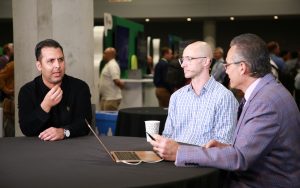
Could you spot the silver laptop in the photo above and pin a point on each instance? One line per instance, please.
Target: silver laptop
(129, 157)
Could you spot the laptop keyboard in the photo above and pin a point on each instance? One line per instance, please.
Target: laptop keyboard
(127, 155)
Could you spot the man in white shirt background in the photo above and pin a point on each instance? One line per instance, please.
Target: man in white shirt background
(110, 82)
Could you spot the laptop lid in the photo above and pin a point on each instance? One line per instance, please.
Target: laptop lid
(128, 156)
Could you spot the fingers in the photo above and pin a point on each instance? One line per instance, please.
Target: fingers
(52, 98)
(155, 143)
(157, 137)
(214, 143)
(52, 134)
(164, 147)
(55, 94)
(210, 144)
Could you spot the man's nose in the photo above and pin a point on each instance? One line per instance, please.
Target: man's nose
(56, 63)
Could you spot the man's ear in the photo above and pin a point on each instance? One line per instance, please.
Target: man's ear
(244, 68)
(207, 62)
(38, 65)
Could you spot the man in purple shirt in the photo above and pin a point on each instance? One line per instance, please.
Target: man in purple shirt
(266, 147)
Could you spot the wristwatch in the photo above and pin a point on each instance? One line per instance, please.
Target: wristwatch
(66, 133)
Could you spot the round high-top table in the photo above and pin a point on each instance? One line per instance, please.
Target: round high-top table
(82, 162)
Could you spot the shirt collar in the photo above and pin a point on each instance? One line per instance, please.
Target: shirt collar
(164, 59)
(250, 89)
(207, 85)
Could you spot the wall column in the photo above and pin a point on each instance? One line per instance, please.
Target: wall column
(70, 22)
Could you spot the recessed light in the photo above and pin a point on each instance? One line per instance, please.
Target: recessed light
(147, 20)
(276, 17)
(189, 19)
(231, 18)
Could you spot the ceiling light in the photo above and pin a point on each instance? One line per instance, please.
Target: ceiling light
(147, 20)
(231, 18)
(276, 17)
(189, 19)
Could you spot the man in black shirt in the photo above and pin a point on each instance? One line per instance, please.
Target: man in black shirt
(54, 106)
(163, 90)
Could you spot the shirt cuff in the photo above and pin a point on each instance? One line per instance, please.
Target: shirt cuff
(187, 156)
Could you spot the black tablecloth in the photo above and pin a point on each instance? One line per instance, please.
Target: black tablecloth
(130, 121)
(83, 163)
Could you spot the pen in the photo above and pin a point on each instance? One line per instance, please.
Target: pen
(150, 136)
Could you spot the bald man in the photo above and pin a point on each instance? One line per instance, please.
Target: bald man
(204, 109)
(110, 83)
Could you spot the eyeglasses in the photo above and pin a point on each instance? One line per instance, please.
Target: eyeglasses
(227, 64)
(187, 58)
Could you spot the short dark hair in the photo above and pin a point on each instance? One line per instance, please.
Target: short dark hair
(164, 51)
(46, 43)
(253, 50)
(272, 46)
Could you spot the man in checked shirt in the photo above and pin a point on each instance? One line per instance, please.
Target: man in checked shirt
(204, 109)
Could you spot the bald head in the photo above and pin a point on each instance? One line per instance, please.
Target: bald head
(199, 49)
(8, 49)
(196, 60)
(109, 54)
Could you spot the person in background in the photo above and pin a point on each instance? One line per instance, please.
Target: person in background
(285, 55)
(7, 87)
(162, 90)
(297, 88)
(297, 81)
(274, 69)
(204, 109)
(265, 151)
(291, 69)
(54, 106)
(218, 71)
(274, 50)
(175, 75)
(149, 69)
(8, 55)
(110, 82)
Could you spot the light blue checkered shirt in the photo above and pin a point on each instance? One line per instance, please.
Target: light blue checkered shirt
(196, 119)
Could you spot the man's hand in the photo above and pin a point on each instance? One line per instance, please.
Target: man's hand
(214, 143)
(52, 134)
(164, 147)
(52, 98)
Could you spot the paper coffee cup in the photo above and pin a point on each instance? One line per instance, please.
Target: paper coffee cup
(152, 127)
